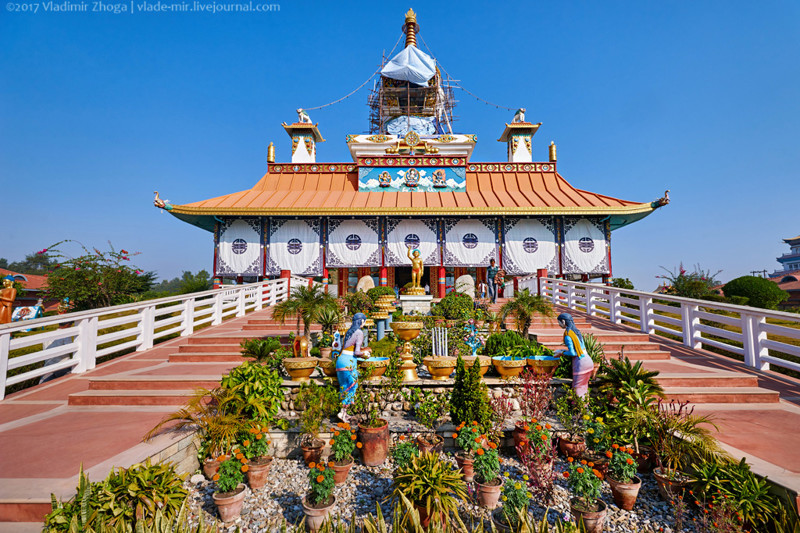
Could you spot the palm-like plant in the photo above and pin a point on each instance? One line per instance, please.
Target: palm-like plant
(214, 413)
(304, 303)
(523, 307)
(432, 483)
(329, 318)
(619, 373)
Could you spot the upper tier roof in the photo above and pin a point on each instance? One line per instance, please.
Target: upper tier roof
(488, 192)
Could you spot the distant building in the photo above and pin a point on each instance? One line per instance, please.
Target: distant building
(790, 261)
(788, 279)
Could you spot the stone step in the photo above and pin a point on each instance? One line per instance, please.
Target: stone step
(20, 515)
(612, 349)
(220, 339)
(131, 397)
(706, 380)
(722, 395)
(207, 357)
(132, 383)
(215, 348)
(605, 337)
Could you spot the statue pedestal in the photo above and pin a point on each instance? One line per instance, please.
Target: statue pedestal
(416, 304)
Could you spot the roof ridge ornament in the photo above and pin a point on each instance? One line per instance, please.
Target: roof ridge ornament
(410, 28)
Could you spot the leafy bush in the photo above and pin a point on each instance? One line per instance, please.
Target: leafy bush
(123, 497)
(268, 351)
(403, 452)
(257, 389)
(470, 400)
(376, 292)
(759, 292)
(315, 403)
(622, 283)
(499, 343)
(231, 473)
(359, 302)
(694, 284)
(455, 306)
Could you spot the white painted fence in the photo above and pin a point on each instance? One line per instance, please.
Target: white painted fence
(79, 339)
(753, 332)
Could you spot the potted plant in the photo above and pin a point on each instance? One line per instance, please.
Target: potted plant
(255, 446)
(516, 499)
(402, 453)
(328, 318)
(523, 307)
(515, 360)
(429, 409)
(319, 499)
(342, 445)
(315, 403)
(622, 478)
(538, 458)
(469, 439)
(586, 505)
(597, 443)
(539, 444)
(229, 496)
(573, 414)
(432, 485)
(487, 475)
(534, 400)
(373, 430)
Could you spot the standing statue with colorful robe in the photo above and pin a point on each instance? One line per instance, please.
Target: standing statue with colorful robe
(346, 364)
(582, 364)
(7, 296)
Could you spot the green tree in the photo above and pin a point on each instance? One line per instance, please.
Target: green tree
(304, 303)
(95, 279)
(470, 400)
(194, 282)
(523, 307)
(39, 263)
(696, 284)
(759, 292)
(622, 283)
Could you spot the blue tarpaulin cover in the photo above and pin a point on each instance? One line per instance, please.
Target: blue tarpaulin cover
(411, 64)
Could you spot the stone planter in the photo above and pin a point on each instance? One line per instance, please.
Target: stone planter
(593, 521)
(571, 448)
(377, 364)
(374, 443)
(509, 368)
(229, 504)
(258, 471)
(465, 464)
(300, 368)
(440, 367)
(544, 365)
(210, 467)
(485, 362)
(340, 471)
(625, 493)
(433, 443)
(316, 514)
(489, 494)
(312, 453)
(671, 487)
(328, 367)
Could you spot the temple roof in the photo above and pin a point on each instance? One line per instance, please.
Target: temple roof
(489, 191)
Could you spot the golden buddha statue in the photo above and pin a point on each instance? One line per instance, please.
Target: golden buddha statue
(7, 296)
(417, 269)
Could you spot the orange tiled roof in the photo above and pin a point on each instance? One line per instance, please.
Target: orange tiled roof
(336, 193)
(32, 282)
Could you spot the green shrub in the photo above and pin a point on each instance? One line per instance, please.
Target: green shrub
(498, 344)
(403, 452)
(376, 292)
(315, 403)
(759, 292)
(257, 389)
(125, 496)
(455, 306)
(470, 400)
(622, 283)
(268, 351)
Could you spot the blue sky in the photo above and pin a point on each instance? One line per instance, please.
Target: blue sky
(99, 110)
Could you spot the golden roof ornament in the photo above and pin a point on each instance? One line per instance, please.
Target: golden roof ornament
(410, 28)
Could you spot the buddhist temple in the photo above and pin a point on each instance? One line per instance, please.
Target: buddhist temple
(411, 184)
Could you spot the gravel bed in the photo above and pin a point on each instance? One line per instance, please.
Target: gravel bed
(279, 502)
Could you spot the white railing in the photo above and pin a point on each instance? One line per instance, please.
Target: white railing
(76, 341)
(747, 332)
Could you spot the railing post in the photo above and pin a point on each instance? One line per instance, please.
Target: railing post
(86, 341)
(272, 293)
(753, 335)
(570, 295)
(240, 302)
(646, 321)
(690, 322)
(5, 348)
(613, 307)
(217, 309)
(188, 317)
(259, 297)
(589, 300)
(552, 291)
(147, 323)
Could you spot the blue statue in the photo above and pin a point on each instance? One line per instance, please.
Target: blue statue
(473, 341)
(582, 364)
(346, 364)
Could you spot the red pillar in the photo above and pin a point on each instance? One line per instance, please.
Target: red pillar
(442, 282)
(383, 277)
(325, 280)
(286, 274)
(541, 273)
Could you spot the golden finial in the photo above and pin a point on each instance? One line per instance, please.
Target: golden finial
(552, 152)
(410, 28)
(271, 153)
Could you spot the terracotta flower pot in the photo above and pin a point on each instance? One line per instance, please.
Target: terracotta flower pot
(258, 471)
(210, 467)
(424, 517)
(646, 459)
(519, 434)
(317, 513)
(593, 521)
(599, 460)
(499, 521)
(671, 486)
(312, 453)
(229, 504)
(325, 353)
(465, 464)
(489, 494)
(340, 471)
(625, 493)
(374, 443)
(433, 443)
(570, 448)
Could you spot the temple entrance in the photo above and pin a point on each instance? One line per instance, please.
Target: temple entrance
(402, 275)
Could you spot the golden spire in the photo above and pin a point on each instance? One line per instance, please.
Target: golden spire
(411, 27)
(552, 151)
(271, 153)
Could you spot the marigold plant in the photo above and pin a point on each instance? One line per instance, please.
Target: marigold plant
(597, 435)
(255, 442)
(540, 439)
(487, 464)
(515, 498)
(584, 481)
(231, 472)
(469, 438)
(622, 466)
(321, 480)
(403, 452)
(343, 442)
